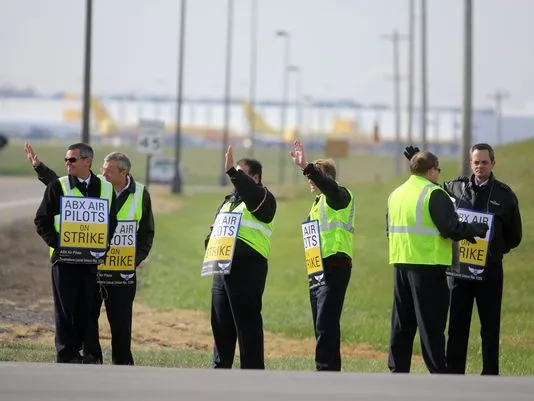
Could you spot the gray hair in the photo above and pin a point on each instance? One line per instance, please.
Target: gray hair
(123, 163)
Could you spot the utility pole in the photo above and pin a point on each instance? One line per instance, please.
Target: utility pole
(283, 111)
(411, 59)
(423, 76)
(467, 109)
(86, 124)
(176, 184)
(395, 38)
(498, 96)
(299, 102)
(253, 70)
(227, 86)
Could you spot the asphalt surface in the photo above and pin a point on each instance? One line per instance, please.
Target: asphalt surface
(19, 198)
(54, 382)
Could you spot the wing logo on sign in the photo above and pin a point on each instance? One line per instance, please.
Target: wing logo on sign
(127, 277)
(224, 266)
(475, 272)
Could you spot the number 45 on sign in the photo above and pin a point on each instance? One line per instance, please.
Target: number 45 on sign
(150, 138)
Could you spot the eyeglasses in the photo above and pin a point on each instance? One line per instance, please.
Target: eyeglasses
(437, 168)
(72, 160)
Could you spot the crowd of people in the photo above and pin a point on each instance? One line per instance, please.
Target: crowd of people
(446, 245)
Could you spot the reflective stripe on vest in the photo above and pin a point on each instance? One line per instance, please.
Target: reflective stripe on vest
(418, 228)
(132, 209)
(336, 226)
(413, 236)
(253, 232)
(323, 221)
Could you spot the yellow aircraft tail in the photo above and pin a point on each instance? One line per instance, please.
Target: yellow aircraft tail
(104, 122)
(261, 126)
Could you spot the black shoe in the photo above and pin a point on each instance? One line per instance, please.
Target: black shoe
(91, 360)
(76, 359)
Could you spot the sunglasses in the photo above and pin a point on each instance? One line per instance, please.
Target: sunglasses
(73, 159)
(437, 168)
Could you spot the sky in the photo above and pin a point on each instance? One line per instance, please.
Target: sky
(338, 45)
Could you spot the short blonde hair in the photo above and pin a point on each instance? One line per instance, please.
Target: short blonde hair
(328, 166)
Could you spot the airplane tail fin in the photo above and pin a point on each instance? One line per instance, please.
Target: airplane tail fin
(256, 120)
(102, 119)
(261, 126)
(105, 122)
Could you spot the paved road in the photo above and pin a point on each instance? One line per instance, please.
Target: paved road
(19, 198)
(52, 382)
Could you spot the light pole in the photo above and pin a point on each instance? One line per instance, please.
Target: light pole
(283, 108)
(86, 125)
(411, 57)
(299, 101)
(499, 96)
(253, 70)
(467, 107)
(227, 86)
(395, 38)
(423, 76)
(298, 96)
(176, 186)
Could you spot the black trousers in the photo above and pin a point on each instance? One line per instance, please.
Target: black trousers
(118, 300)
(326, 305)
(420, 300)
(236, 304)
(488, 296)
(73, 289)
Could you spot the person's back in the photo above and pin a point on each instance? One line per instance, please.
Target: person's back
(421, 226)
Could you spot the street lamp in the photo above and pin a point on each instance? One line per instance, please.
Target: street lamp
(86, 130)
(467, 107)
(283, 109)
(298, 132)
(498, 97)
(176, 185)
(253, 70)
(227, 83)
(298, 95)
(424, 102)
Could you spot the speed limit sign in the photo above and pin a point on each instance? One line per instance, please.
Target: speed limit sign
(150, 137)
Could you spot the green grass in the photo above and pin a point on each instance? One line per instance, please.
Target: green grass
(202, 166)
(173, 281)
(172, 277)
(188, 359)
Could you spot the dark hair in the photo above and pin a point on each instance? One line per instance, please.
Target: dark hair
(484, 146)
(328, 166)
(254, 166)
(85, 149)
(422, 162)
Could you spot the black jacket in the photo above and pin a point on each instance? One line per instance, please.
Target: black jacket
(258, 199)
(337, 197)
(494, 197)
(145, 233)
(50, 204)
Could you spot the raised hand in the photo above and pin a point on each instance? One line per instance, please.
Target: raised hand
(297, 154)
(229, 159)
(31, 155)
(410, 151)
